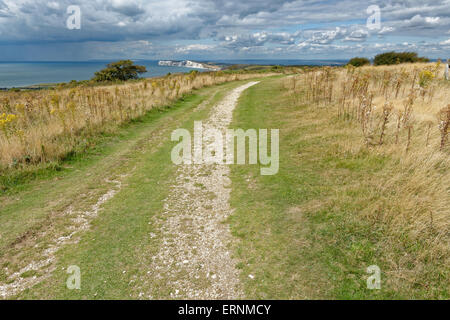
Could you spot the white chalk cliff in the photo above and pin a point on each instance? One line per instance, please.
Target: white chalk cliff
(187, 64)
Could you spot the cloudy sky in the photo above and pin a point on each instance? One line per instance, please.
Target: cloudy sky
(221, 29)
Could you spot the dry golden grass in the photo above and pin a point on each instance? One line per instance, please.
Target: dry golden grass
(46, 125)
(401, 112)
(403, 100)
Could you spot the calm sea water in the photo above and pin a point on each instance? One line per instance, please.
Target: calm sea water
(20, 74)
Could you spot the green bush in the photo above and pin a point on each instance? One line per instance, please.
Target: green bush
(359, 62)
(392, 57)
(121, 70)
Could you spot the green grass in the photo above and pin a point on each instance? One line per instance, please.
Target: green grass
(301, 232)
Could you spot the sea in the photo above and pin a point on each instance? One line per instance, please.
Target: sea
(25, 74)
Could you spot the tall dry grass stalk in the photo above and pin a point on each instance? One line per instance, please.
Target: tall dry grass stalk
(387, 109)
(412, 93)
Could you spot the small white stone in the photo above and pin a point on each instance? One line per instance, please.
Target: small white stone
(251, 276)
(185, 261)
(213, 276)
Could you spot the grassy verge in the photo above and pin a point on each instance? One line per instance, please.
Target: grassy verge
(110, 253)
(305, 232)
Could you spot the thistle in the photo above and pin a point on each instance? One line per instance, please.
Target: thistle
(429, 124)
(399, 123)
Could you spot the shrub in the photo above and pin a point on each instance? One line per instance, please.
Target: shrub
(359, 62)
(121, 70)
(389, 58)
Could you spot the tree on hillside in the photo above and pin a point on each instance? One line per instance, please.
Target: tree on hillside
(121, 70)
(392, 57)
(359, 62)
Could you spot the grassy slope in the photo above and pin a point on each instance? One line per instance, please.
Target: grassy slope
(302, 231)
(119, 239)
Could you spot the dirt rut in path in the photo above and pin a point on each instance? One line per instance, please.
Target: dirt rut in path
(195, 261)
(45, 264)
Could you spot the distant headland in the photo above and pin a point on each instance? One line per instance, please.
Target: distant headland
(189, 64)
